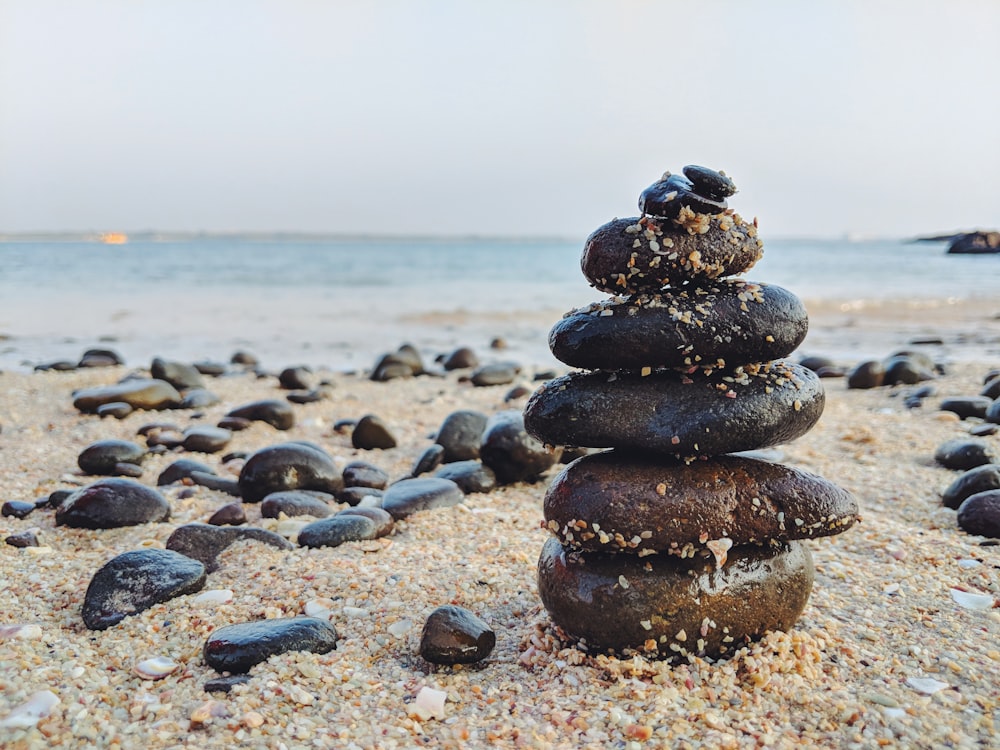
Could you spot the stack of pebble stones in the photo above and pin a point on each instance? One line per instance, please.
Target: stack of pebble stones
(666, 544)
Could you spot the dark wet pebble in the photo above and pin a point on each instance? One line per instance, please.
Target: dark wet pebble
(667, 196)
(991, 389)
(16, 509)
(199, 398)
(384, 523)
(454, 635)
(297, 503)
(139, 393)
(364, 474)
(278, 414)
(237, 648)
(964, 454)
(244, 358)
(288, 466)
(123, 469)
(181, 469)
(206, 439)
(22, 539)
(425, 493)
(60, 365)
(461, 434)
(102, 457)
(671, 413)
(460, 359)
(980, 514)
(735, 321)
(355, 495)
(179, 374)
(100, 358)
(231, 514)
(992, 414)
(218, 483)
(403, 363)
(111, 503)
(512, 453)
(868, 374)
(666, 601)
(212, 369)
(516, 393)
(433, 456)
(817, 363)
(471, 476)
(116, 409)
(978, 479)
(225, 684)
(204, 542)
(135, 581)
(985, 429)
(966, 406)
(296, 378)
(545, 375)
(56, 498)
(905, 371)
(235, 424)
(336, 530)
(371, 433)
(496, 373)
(320, 393)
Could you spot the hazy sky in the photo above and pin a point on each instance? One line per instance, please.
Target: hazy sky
(534, 117)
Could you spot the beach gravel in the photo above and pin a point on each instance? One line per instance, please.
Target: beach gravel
(898, 646)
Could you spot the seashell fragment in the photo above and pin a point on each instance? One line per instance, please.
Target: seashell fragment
(155, 668)
(32, 711)
(926, 685)
(213, 597)
(971, 600)
(26, 631)
(428, 704)
(321, 608)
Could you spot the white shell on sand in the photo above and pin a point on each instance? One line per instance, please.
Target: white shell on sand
(32, 711)
(970, 600)
(926, 685)
(155, 668)
(27, 631)
(321, 608)
(213, 597)
(429, 704)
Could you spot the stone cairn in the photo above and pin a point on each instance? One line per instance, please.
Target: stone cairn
(671, 544)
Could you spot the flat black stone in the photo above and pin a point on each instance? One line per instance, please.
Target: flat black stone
(288, 466)
(669, 607)
(206, 439)
(336, 530)
(237, 648)
(735, 321)
(278, 414)
(433, 456)
(512, 453)
(964, 454)
(980, 514)
(470, 476)
(16, 509)
(675, 414)
(139, 393)
(384, 523)
(111, 503)
(454, 635)
(225, 684)
(297, 503)
(181, 469)
(364, 474)
(205, 542)
(495, 373)
(135, 581)
(978, 479)
(425, 493)
(967, 406)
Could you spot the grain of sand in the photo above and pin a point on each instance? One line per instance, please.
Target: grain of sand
(852, 673)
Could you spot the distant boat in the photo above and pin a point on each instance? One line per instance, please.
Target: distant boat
(114, 238)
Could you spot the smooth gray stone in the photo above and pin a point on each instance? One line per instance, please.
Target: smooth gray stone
(425, 493)
(278, 414)
(675, 414)
(460, 435)
(111, 503)
(104, 456)
(179, 374)
(204, 542)
(470, 476)
(732, 321)
(512, 453)
(336, 530)
(139, 393)
(237, 648)
(135, 581)
(288, 466)
(965, 453)
(297, 503)
(206, 439)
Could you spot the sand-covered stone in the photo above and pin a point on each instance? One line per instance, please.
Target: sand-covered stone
(721, 323)
(675, 413)
(408, 496)
(615, 501)
(667, 606)
(632, 255)
(135, 581)
(205, 542)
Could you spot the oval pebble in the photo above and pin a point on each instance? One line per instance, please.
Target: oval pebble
(409, 496)
(454, 635)
(112, 503)
(237, 648)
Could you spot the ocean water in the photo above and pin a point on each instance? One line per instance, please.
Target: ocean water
(339, 302)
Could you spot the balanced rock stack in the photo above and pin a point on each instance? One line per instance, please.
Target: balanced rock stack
(666, 544)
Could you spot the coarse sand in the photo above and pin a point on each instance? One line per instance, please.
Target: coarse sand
(884, 654)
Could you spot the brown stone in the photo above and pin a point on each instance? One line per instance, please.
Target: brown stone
(667, 607)
(613, 501)
(626, 256)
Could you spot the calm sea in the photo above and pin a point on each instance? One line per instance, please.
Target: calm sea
(338, 302)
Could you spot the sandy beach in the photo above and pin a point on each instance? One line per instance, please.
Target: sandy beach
(883, 655)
